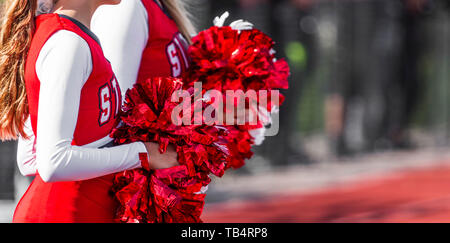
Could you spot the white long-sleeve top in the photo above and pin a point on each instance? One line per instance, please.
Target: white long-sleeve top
(63, 67)
(26, 152)
(124, 32)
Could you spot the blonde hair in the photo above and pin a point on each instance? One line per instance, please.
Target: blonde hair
(177, 9)
(15, 40)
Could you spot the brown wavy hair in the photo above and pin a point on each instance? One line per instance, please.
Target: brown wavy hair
(15, 38)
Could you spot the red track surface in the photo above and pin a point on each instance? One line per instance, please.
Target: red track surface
(415, 196)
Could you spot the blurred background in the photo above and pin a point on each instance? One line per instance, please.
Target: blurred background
(365, 129)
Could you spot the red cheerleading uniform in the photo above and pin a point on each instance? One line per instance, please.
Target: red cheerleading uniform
(75, 201)
(165, 54)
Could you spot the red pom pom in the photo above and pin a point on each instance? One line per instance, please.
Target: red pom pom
(225, 59)
(165, 195)
(222, 59)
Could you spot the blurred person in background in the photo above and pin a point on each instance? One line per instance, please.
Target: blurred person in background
(375, 88)
(290, 22)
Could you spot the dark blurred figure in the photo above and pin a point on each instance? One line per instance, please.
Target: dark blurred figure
(376, 76)
(410, 82)
(282, 21)
(292, 26)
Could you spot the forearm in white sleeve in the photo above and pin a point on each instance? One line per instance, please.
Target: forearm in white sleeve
(26, 151)
(123, 32)
(63, 66)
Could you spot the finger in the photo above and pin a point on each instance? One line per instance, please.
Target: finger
(241, 25)
(235, 24)
(220, 21)
(216, 21)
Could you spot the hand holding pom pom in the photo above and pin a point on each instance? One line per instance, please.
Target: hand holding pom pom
(157, 160)
(181, 158)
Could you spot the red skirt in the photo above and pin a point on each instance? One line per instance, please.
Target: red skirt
(86, 201)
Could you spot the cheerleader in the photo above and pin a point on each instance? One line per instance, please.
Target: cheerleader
(150, 39)
(54, 75)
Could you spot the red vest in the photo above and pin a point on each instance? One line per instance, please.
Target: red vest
(166, 52)
(100, 95)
